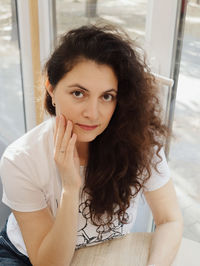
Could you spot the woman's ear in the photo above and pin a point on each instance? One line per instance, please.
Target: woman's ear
(49, 88)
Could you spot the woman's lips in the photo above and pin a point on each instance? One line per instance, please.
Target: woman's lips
(86, 127)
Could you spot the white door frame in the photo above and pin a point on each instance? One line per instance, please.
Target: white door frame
(161, 29)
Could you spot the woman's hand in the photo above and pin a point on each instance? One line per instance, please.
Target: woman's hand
(66, 155)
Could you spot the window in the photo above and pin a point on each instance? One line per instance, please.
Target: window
(12, 122)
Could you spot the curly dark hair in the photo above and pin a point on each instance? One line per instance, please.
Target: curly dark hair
(120, 158)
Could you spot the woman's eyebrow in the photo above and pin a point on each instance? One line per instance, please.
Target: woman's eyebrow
(81, 87)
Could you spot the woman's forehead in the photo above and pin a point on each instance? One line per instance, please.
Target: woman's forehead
(87, 73)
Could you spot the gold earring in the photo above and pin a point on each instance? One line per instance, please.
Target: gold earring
(53, 104)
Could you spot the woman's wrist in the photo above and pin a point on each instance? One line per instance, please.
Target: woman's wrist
(74, 188)
(71, 191)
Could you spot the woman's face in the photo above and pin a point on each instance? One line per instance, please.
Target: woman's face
(87, 95)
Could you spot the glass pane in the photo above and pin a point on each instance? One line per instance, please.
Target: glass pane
(130, 15)
(11, 106)
(184, 157)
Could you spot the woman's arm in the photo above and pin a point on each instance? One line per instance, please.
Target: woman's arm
(58, 246)
(49, 240)
(169, 225)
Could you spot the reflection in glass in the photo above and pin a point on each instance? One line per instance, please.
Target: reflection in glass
(11, 106)
(184, 158)
(128, 14)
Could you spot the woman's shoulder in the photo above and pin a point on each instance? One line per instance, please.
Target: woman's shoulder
(160, 172)
(32, 143)
(29, 159)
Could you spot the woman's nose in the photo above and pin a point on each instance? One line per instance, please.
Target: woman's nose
(92, 110)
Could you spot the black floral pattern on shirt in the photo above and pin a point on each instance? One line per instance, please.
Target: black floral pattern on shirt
(103, 233)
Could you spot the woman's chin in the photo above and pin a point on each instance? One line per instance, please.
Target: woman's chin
(85, 138)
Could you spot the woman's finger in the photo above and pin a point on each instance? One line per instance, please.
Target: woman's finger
(60, 134)
(76, 152)
(56, 129)
(67, 136)
(70, 148)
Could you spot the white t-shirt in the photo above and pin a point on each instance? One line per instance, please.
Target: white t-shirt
(31, 182)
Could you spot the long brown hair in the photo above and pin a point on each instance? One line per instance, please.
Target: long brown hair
(120, 158)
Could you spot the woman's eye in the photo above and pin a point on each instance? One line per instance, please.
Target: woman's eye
(108, 97)
(77, 94)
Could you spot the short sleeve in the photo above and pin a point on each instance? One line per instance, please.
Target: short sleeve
(157, 180)
(20, 189)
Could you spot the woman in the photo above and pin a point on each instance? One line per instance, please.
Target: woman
(75, 180)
